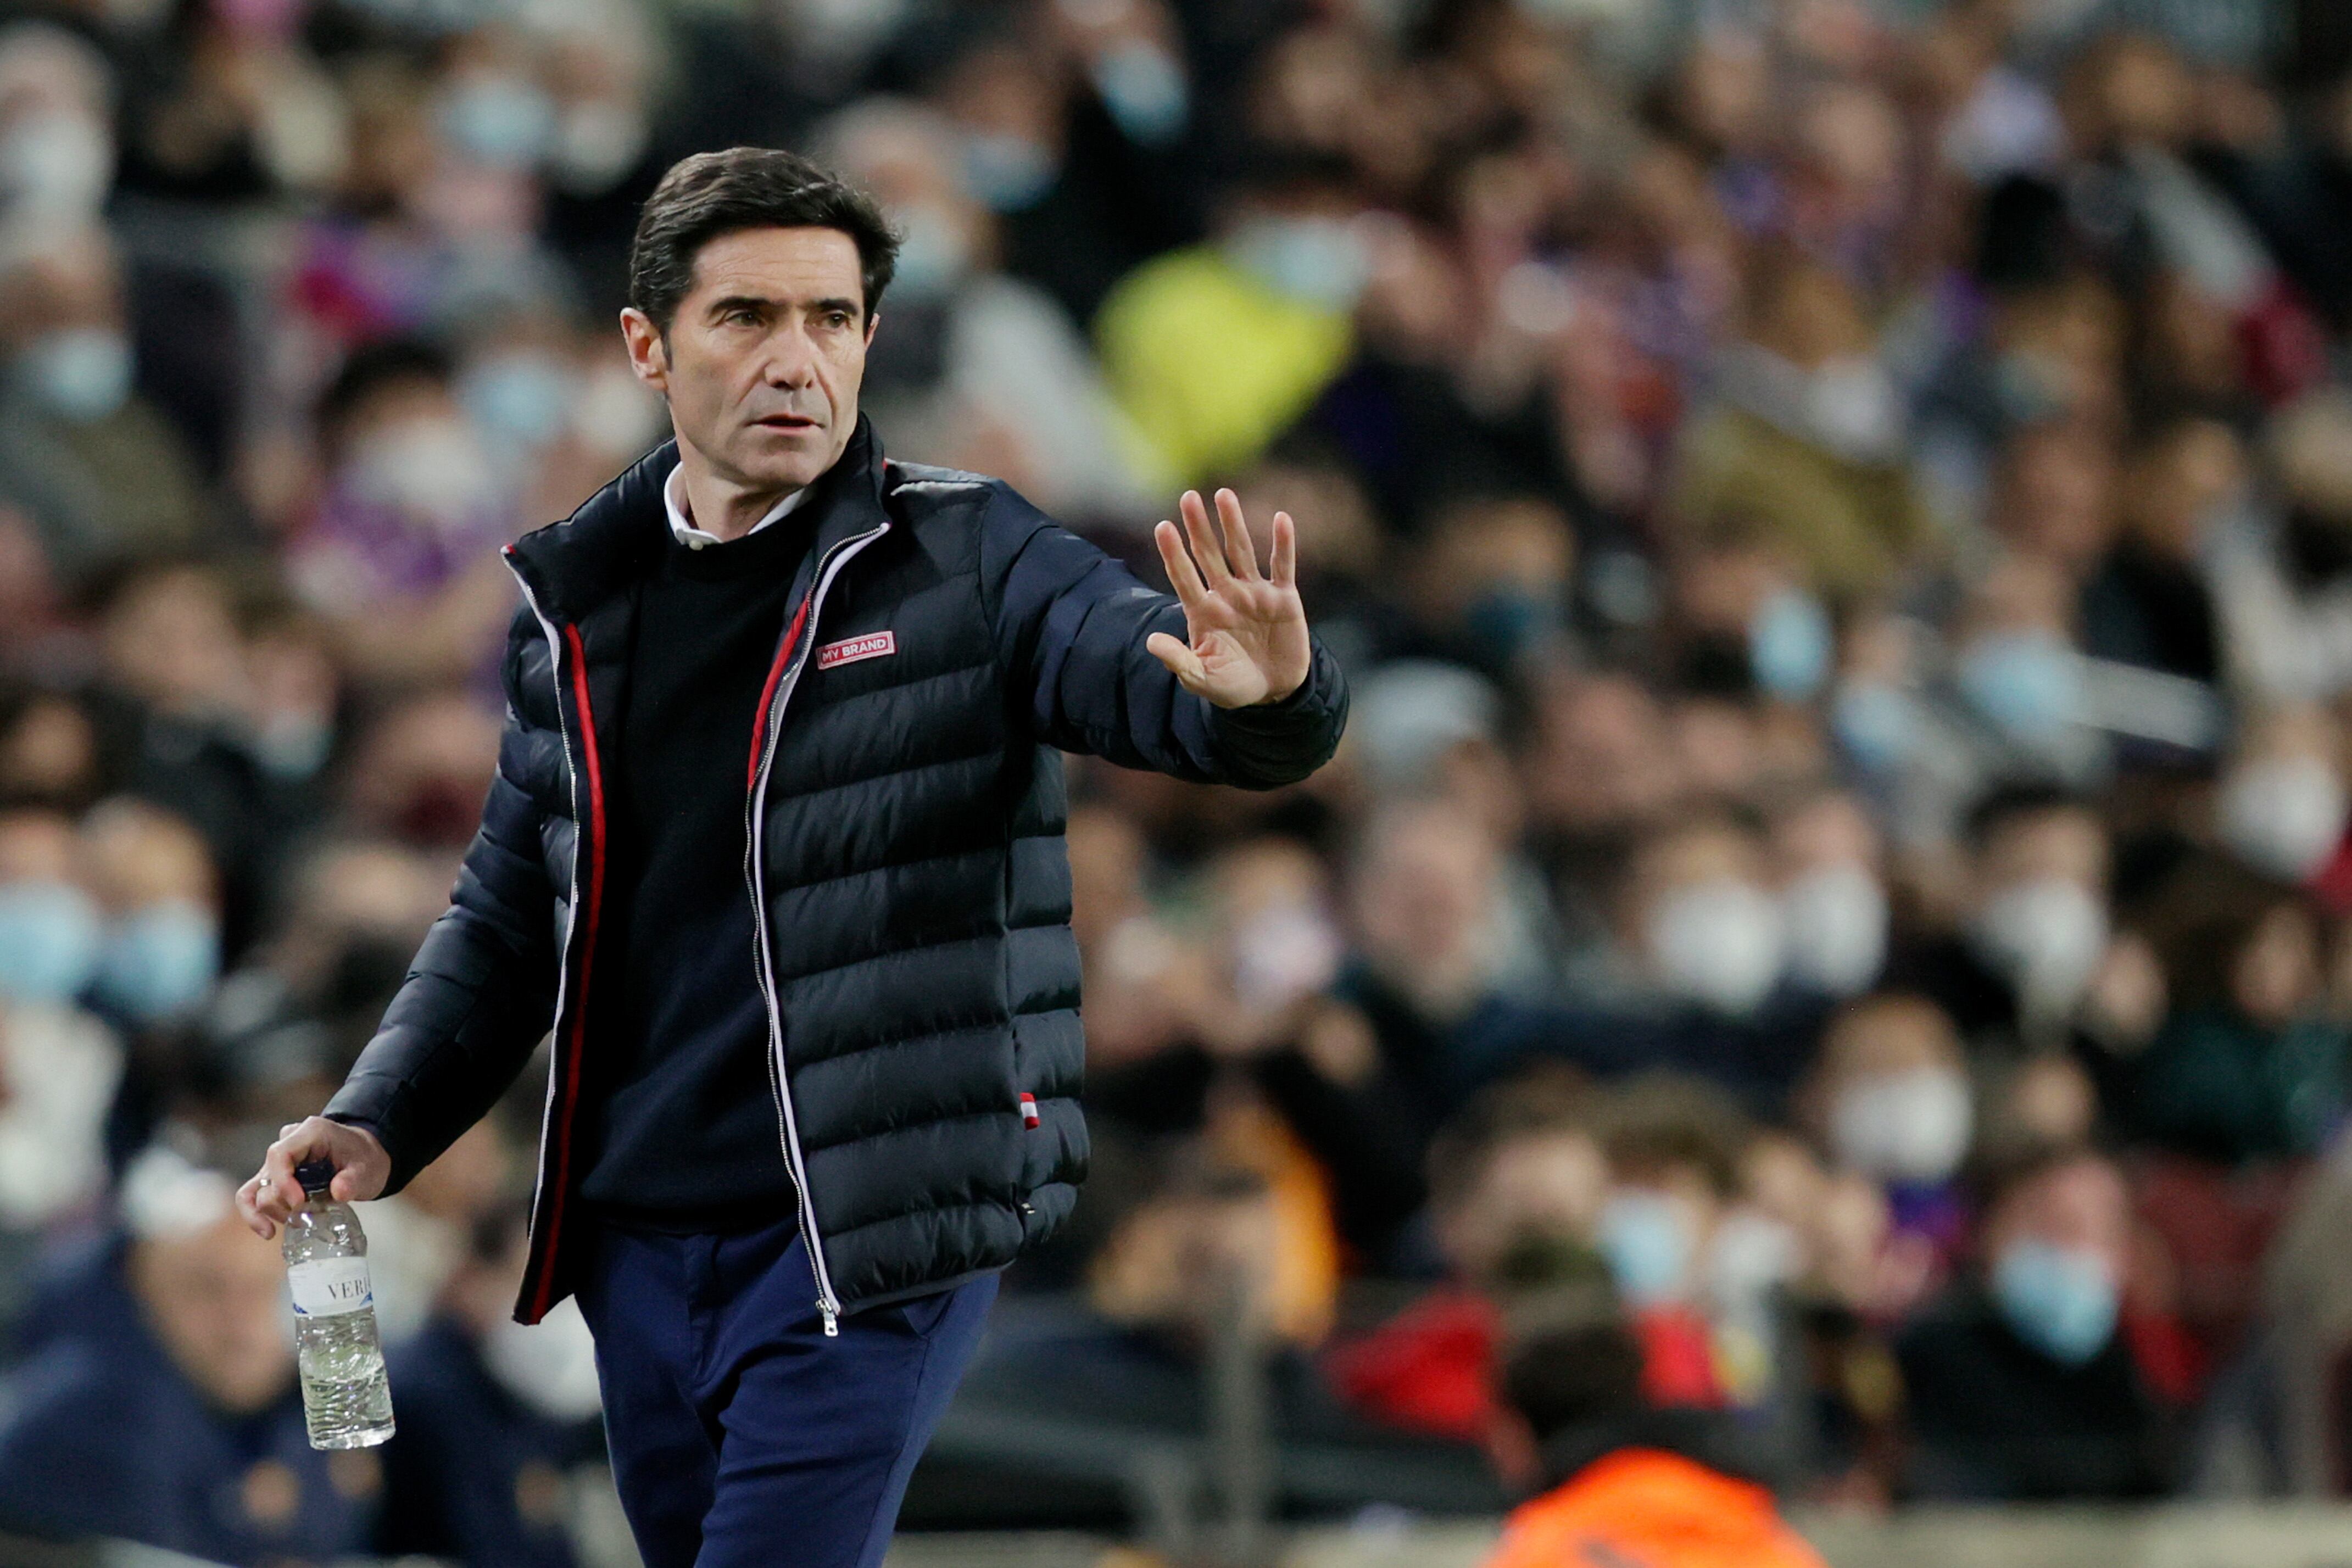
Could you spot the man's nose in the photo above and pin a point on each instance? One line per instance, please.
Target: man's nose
(791, 360)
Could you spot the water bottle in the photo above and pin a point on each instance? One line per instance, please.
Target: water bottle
(345, 1395)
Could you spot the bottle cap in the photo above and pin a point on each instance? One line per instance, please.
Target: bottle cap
(314, 1176)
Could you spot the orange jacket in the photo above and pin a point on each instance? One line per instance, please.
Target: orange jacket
(1642, 1507)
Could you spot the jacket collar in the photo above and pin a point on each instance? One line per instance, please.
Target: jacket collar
(1704, 1436)
(612, 538)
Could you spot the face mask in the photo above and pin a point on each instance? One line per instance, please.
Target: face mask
(1145, 91)
(1852, 408)
(57, 162)
(615, 414)
(49, 937)
(934, 253)
(523, 397)
(159, 960)
(1282, 953)
(1874, 723)
(80, 373)
(1508, 621)
(550, 1365)
(1834, 921)
(1008, 173)
(429, 467)
(501, 121)
(63, 1068)
(2059, 1299)
(293, 745)
(1317, 261)
(2046, 936)
(2028, 683)
(1648, 1249)
(1718, 943)
(1748, 1257)
(2284, 816)
(1904, 1126)
(596, 142)
(1789, 645)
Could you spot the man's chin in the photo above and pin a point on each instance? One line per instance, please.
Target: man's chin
(787, 459)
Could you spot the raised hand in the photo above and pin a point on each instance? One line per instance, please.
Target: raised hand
(1246, 633)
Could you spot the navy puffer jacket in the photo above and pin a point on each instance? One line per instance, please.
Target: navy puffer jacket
(904, 791)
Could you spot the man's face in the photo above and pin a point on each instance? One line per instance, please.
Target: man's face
(213, 1298)
(763, 363)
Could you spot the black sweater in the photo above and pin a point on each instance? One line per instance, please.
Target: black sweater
(685, 1121)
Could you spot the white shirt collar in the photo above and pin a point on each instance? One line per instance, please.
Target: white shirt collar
(692, 537)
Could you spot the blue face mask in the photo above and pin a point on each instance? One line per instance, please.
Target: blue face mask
(521, 397)
(79, 374)
(1648, 1250)
(50, 936)
(1510, 620)
(2059, 1299)
(160, 961)
(1875, 725)
(501, 121)
(2028, 684)
(1789, 644)
(1316, 261)
(1145, 91)
(1008, 173)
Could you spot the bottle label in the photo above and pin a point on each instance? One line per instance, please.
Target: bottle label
(325, 1286)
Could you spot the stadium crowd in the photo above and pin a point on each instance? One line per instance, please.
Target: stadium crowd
(1837, 515)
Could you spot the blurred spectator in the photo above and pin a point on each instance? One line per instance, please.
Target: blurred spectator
(104, 478)
(402, 556)
(1892, 1100)
(187, 1433)
(982, 368)
(2251, 1062)
(1213, 350)
(494, 1418)
(2019, 1385)
(1625, 1481)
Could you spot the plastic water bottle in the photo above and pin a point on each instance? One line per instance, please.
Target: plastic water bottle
(345, 1395)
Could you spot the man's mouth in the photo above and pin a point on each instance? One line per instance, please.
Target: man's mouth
(786, 421)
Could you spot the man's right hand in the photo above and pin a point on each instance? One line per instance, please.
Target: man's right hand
(271, 1197)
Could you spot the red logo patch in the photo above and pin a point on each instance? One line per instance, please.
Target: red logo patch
(1029, 1110)
(849, 650)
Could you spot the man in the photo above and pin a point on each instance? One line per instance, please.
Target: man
(1629, 1484)
(777, 841)
(165, 1411)
(2022, 1384)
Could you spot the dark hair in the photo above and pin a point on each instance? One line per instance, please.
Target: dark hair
(713, 193)
(1568, 1373)
(371, 368)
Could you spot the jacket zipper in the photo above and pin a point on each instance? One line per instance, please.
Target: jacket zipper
(571, 898)
(828, 1305)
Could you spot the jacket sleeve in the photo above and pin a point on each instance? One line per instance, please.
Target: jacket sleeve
(1070, 627)
(480, 991)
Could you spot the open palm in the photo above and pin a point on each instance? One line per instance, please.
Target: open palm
(1246, 632)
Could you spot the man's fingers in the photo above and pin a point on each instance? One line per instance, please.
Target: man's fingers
(1283, 552)
(246, 1206)
(1181, 659)
(1183, 575)
(1240, 551)
(1206, 549)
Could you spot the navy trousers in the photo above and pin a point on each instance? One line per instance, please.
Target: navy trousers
(740, 1434)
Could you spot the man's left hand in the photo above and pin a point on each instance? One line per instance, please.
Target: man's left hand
(1246, 632)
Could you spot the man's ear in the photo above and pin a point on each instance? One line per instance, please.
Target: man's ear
(873, 320)
(648, 347)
